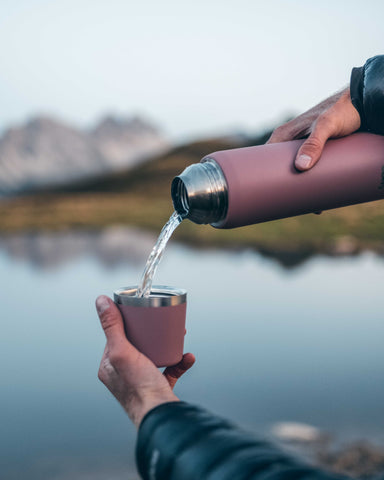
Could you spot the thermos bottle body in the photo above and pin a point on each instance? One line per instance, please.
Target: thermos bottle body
(244, 186)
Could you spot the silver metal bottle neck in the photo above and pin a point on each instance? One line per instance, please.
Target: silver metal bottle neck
(200, 193)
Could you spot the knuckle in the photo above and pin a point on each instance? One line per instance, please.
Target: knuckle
(117, 358)
(101, 375)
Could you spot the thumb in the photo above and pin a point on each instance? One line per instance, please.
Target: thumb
(311, 150)
(110, 319)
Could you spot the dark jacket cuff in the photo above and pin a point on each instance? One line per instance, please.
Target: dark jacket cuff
(367, 94)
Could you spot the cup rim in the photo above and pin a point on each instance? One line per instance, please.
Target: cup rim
(170, 296)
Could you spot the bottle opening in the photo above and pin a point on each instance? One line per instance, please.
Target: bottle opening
(200, 194)
(180, 197)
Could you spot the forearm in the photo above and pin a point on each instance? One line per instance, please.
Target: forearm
(181, 441)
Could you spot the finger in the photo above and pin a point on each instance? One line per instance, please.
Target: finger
(311, 150)
(172, 374)
(297, 128)
(111, 321)
(281, 134)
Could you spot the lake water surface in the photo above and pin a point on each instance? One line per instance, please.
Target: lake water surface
(272, 345)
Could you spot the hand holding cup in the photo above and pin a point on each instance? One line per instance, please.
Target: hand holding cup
(129, 375)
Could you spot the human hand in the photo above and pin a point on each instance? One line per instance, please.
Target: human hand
(128, 374)
(334, 117)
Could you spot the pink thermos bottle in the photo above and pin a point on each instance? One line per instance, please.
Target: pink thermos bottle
(243, 186)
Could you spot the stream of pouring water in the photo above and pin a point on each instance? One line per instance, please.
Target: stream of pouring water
(154, 258)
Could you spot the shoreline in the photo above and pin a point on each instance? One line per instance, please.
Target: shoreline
(134, 244)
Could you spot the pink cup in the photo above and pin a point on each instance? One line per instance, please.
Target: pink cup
(155, 325)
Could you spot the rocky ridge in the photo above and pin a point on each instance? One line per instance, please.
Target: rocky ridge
(46, 152)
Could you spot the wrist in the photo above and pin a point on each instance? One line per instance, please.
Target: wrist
(137, 413)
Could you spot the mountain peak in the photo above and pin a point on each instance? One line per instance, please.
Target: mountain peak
(112, 124)
(46, 152)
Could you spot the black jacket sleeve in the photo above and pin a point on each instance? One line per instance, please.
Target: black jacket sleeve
(178, 441)
(367, 94)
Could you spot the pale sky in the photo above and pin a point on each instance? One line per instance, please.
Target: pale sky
(195, 68)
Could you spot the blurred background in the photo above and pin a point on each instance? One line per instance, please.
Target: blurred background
(102, 103)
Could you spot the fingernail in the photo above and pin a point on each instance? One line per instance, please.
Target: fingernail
(303, 161)
(102, 304)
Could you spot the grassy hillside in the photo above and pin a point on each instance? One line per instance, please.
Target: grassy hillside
(142, 198)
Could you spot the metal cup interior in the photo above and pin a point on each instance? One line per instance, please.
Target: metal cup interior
(160, 296)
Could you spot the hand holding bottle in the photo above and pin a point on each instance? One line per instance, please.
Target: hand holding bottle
(333, 118)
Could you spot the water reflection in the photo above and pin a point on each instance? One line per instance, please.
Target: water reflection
(111, 247)
(119, 245)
